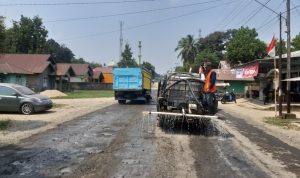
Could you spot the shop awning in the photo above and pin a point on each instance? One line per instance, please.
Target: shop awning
(292, 79)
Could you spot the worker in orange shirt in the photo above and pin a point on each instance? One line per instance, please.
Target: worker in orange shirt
(210, 88)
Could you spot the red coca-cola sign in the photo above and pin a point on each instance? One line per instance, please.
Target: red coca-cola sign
(250, 71)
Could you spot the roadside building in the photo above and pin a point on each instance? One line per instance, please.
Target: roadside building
(83, 73)
(263, 71)
(225, 74)
(36, 71)
(63, 74)
(97, 76)
(107, 74)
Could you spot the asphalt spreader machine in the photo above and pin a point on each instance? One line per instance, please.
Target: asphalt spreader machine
(181, 100)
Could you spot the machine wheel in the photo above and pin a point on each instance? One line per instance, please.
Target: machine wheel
(122, 101)
(148, 98)
(27, 108)
(223, 101)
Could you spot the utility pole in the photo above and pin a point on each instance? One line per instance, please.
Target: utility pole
(280, 68)
(140, 53)
(288, 24)
(121, 39)
(200, 33)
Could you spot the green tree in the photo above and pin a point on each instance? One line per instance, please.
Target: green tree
(284, 50)
(296, 43)
(61, 53)
(78, 61)
(95, 64)
(207, 55)
(149, 67)
(245, 46)
(187, 49)
(27, 36)
(214, 45)
(2, 34)
(127, 59)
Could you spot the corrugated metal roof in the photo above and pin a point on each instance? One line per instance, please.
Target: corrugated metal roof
(96, 74)
(81, 69)
(63, 69)
(35, 63)
(6, 68)
(104, 69)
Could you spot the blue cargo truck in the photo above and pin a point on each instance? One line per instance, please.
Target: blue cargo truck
(131, 84)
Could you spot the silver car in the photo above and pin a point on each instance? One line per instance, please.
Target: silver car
(17, 98)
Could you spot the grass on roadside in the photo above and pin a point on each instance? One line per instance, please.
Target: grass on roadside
(4, 124)
(87, 94)
(283, 123)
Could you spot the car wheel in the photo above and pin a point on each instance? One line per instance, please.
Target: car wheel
(27, 108)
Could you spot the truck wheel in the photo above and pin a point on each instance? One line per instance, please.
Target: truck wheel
(122, 101)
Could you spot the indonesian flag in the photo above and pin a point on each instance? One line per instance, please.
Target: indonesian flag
(201, 73)
(271, 48)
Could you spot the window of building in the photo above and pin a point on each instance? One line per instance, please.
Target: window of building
(19, 80)
(45, 82)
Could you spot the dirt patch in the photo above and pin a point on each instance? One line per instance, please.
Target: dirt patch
(256, 118)
(53, 93)
(283, 123)
(24, 126)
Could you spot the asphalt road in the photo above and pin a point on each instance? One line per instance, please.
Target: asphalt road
(118, 141)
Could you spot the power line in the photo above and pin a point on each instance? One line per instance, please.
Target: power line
(265, 5)
(264, 25)
(275, 18)
(251, 17)
(72, 3)
(238, 13)
(231, 12)
(296, 9)
(153, 22)
(132, 13)
(267, 27)
(277, 8)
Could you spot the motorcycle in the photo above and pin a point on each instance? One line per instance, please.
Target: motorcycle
(228, 97)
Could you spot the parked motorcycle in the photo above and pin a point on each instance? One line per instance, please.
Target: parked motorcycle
(228, 97)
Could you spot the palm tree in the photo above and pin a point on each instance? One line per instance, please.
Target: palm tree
(188, 49)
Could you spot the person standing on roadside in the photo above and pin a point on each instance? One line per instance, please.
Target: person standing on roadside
(210, 87)
(266, 92)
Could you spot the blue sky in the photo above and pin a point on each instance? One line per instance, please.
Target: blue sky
(97, 39)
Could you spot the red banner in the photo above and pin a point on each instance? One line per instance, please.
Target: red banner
(250, 71)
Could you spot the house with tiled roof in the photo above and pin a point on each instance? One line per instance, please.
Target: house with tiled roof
(63, 74)
(97, 76)
(106, 73)
(36, 71)
(83, 73)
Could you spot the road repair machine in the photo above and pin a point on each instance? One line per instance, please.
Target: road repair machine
(180, 99)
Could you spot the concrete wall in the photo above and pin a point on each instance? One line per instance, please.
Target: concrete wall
(91, 86)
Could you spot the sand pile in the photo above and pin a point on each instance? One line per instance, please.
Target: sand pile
(53, 93)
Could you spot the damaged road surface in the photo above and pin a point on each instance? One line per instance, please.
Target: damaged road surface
(117, 142)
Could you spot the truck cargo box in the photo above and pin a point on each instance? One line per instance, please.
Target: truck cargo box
(131, 84)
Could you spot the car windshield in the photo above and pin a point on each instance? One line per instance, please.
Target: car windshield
(25, 90)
